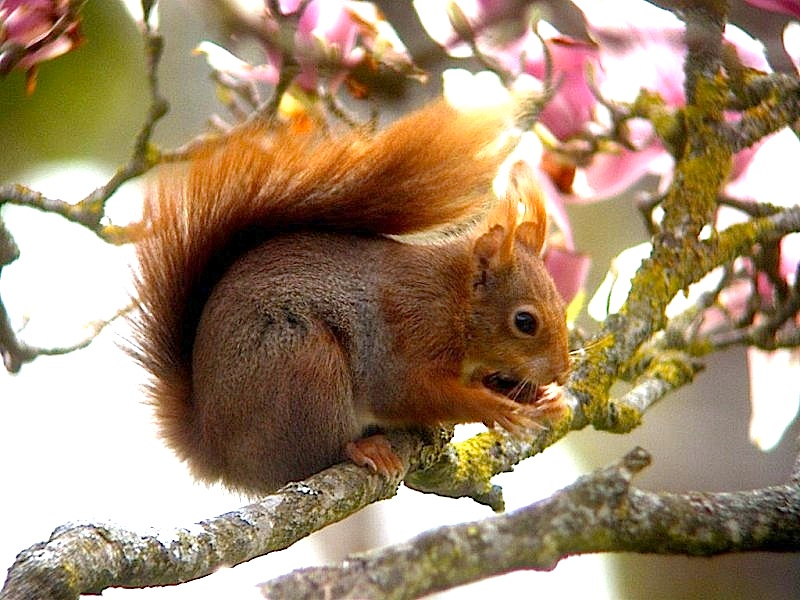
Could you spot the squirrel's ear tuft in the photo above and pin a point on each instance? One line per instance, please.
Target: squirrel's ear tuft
(530, 235)
(524, 192)
(520, 213)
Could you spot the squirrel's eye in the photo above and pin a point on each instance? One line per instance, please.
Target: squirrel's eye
(526, 322)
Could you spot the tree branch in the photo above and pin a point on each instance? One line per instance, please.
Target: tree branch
(600, 512)
(86, 559)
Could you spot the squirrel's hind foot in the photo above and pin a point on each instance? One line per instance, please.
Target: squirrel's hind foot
(375, 452)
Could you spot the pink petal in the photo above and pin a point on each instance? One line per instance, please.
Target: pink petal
(569, 270)
(327, 22)
(789, 7)
(573, 105)
(610, 174)
(636, 37)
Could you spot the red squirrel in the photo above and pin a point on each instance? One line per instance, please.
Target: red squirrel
(283, 324)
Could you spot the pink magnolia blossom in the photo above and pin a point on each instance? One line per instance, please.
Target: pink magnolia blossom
(574, 104)
(326, 39)
(769, 176)
(492, 24)
(502, 33)
(636, 46)
(641, 46)
(333, 37)
(788, 7)
(24, 28)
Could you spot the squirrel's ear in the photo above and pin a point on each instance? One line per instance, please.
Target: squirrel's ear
(487, 251)
(487, 246)
(524, 191)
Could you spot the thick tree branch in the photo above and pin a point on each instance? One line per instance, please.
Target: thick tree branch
(598, 513)
(86, 559)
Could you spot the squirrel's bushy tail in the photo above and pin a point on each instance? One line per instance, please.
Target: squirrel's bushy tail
(428, 170)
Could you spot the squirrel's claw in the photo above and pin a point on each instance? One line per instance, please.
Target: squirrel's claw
(375, 452)
(517, 421)
(546, 404)
(549, 401)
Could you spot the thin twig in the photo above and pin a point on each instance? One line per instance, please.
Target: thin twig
(90, 211)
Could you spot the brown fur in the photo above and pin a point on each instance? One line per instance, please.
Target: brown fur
(272, 344)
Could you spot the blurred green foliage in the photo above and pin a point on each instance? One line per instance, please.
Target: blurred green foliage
(88, 103)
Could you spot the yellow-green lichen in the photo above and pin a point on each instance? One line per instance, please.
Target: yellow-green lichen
(473, 458)
(560, 425)
(589, 381)
(700, 347)
(152, 154)
(654, 285)
(691, 200)
(672, 367)
(666, 124)
(116, 234)
(703, 164)
(619, 417)
(711, 96)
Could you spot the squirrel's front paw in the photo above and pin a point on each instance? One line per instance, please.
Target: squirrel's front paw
(375, 452)
(545, 406)
(548, 403)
